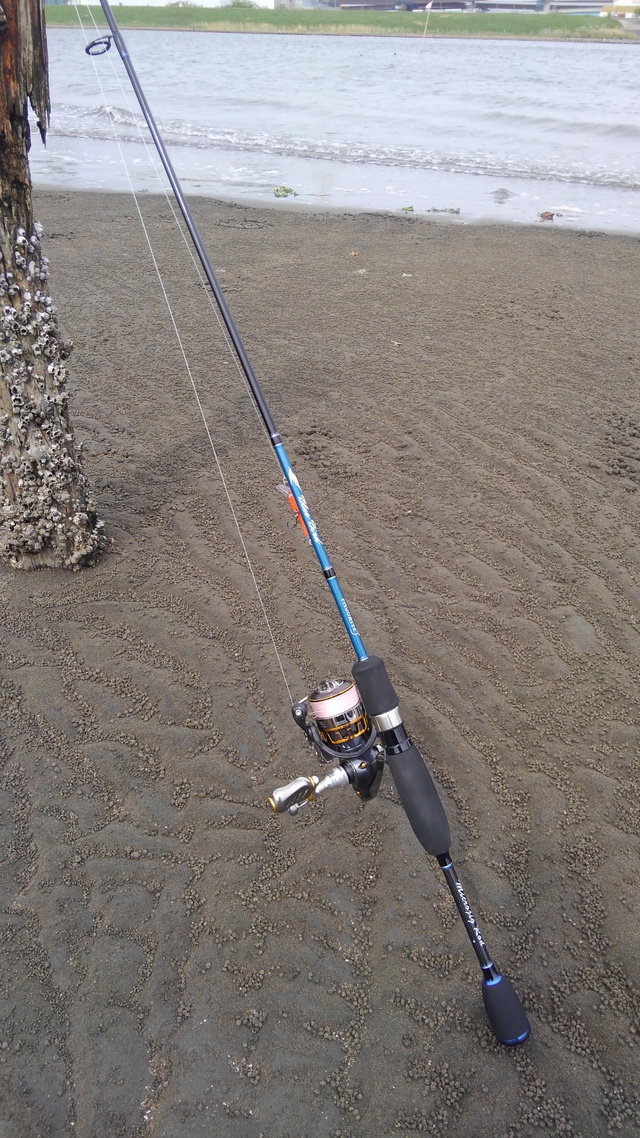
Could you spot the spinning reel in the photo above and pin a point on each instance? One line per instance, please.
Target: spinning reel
(337, 726)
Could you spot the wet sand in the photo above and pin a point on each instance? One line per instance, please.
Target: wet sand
(462, 406)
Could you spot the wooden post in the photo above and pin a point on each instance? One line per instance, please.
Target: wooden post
(46, 514)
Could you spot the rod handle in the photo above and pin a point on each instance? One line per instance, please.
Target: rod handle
(505, 1012)
(420, 800)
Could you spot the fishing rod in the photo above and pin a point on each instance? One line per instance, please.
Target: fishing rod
(354, 725)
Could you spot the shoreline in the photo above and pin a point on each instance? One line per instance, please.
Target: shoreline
(439, 216)
(362, 35)
(549, 27)
(461, 406)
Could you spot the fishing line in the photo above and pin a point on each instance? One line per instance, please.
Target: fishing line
(428, 10)
(192, 380)
(162, 183)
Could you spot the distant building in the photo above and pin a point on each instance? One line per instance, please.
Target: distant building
(579, 7)
(620, 8)
(172, 3)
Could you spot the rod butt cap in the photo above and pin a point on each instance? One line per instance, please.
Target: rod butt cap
(505, 1012)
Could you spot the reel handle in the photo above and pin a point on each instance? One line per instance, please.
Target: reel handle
(304, 789)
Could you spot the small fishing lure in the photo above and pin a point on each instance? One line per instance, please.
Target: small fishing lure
(284, 489)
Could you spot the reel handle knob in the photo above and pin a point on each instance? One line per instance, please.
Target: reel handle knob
(305, 789)
(293, 794)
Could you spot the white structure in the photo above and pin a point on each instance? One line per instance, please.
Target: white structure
(621, 8)
(197, 3)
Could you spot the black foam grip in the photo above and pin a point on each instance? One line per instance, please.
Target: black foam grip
(374, 685)
(505, 1012)
(420, 800)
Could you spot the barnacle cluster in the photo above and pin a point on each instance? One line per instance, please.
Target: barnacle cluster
(46, 513)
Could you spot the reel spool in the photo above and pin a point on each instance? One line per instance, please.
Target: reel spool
(339, 713)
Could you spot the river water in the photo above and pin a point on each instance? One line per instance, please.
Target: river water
(501, 129)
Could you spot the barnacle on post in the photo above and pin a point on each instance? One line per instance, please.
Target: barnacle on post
(47, 517)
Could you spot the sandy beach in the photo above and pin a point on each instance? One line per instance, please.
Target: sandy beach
(462, 406)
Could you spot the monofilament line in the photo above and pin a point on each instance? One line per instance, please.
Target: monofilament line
(151, 157)
(192, 381)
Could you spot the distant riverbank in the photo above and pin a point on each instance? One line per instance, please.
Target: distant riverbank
(487, 25)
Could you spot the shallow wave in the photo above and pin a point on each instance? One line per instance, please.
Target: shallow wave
(573, 125)
(104, 123)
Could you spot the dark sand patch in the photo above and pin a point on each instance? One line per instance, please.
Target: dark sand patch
(463, 409)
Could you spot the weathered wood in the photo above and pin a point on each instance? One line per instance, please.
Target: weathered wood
(46, 514)
(23, 78)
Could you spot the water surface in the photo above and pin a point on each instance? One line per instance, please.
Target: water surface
(494, 129)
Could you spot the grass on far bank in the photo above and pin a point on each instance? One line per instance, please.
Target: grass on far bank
(488, 25)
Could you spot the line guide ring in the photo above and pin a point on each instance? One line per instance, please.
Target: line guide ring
(99, 46)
